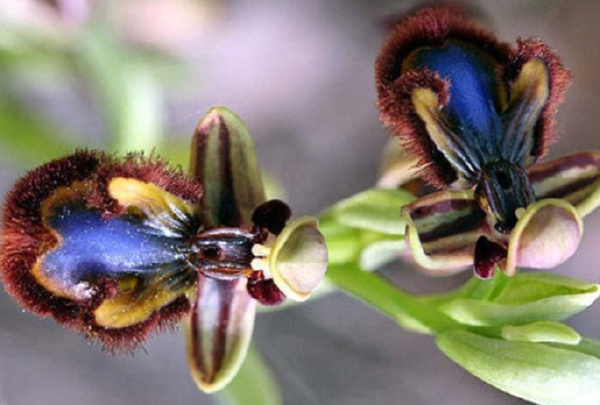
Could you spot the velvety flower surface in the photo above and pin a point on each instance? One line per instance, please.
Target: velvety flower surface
(473, 116)
(120, 248)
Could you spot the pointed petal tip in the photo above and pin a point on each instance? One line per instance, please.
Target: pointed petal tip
(215, 114)
(209, 121)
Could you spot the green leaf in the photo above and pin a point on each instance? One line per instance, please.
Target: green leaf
(536, 372)
(254, 384)
(377, 210)
(524, 299)
(545, 331)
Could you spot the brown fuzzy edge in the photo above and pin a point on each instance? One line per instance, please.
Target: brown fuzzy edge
(24, 238)
(427, 27)
(430, 27)
(545, 131)
(150, 169)
(409, 127)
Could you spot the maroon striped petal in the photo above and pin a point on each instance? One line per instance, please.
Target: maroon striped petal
(218, 331)
(443, 229)
(223, 312)
(574, 178)
(223, 160)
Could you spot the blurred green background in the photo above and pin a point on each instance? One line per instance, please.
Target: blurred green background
(138, 74)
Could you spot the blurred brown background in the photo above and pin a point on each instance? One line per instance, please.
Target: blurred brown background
(300, 73)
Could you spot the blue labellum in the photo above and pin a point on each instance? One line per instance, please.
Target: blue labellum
(471, 110)
(92, 246)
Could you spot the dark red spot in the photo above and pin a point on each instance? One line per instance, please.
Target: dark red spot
(264, 290)
(487, 255)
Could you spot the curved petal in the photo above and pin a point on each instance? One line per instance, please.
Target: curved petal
(442, 230)
(218, 331)
(546, 235)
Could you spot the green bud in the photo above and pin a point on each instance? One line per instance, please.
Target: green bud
(545, 331)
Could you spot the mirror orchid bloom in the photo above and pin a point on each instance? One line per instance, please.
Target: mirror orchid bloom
(473, 116)
(120, 248)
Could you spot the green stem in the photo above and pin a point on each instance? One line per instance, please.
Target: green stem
(408, 311)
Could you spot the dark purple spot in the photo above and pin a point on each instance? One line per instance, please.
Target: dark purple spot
(264, 290)
(487, 255)
(272, 215)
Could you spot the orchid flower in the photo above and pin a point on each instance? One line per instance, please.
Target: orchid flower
(473, 116)
(119, 248)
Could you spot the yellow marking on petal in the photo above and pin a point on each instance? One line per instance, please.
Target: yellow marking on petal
(149, 198)
(427, 106)
(533, 76)
(133, 305)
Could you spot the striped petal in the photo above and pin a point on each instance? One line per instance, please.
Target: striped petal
(445, 228)
(218, 331)
(442, 230)
(224, 161)
(222, 319)
(574, 178)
